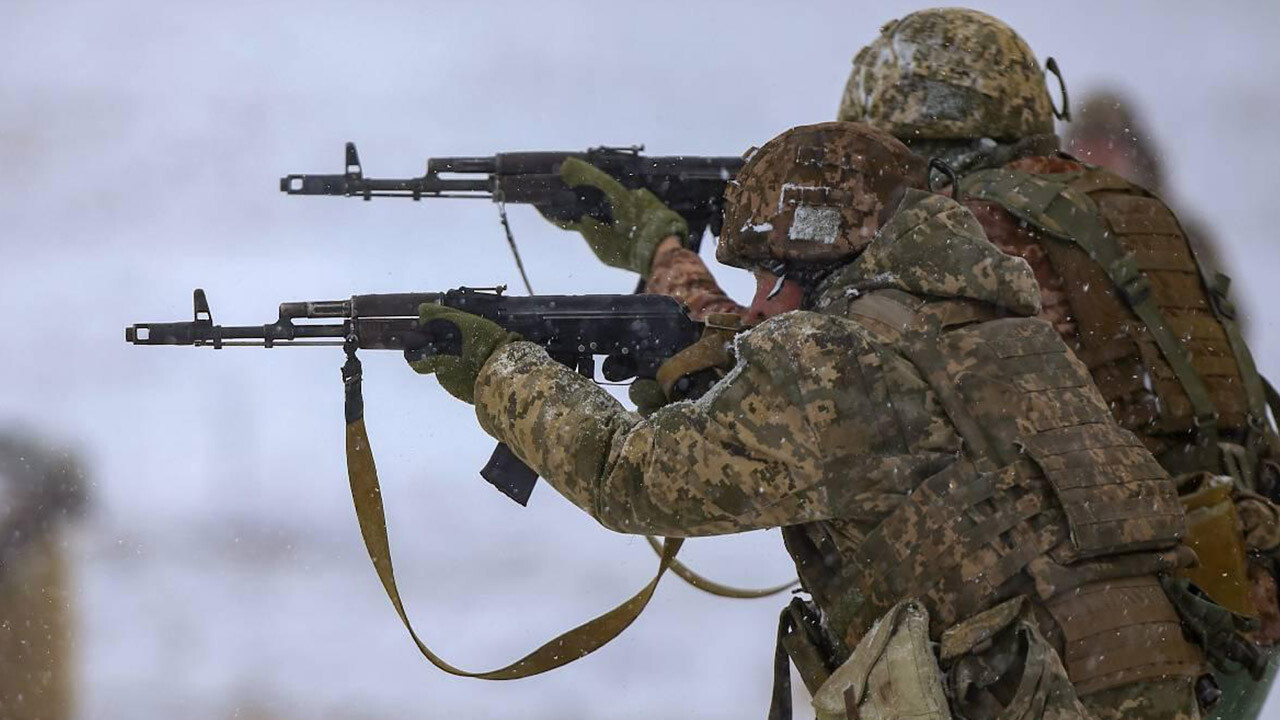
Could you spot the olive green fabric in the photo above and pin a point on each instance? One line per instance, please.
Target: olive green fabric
(480, 337)
(640, 220)
(1215, 628)
(647, 396)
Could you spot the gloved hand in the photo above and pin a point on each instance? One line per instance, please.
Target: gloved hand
(640, 220)
(480, 338)
(1214, 628)
(647, 396)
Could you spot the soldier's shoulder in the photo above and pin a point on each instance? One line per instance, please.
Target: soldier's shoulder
(800, 332)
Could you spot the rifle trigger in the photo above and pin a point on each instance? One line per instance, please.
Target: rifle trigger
(354, 171)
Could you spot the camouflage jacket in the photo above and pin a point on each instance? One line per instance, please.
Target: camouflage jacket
(835, 426)
(760, 449)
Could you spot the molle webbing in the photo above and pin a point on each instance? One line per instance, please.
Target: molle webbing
(1116, 497)
(1045, 470)
(1064, 209)
(958, 539)
(1119, 632)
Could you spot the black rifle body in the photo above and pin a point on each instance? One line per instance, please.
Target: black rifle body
(688, 184)
(634, 333)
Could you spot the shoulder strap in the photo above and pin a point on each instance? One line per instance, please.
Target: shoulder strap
(367, 495)
(1261, 432)
(1067, 214)
(920, 325)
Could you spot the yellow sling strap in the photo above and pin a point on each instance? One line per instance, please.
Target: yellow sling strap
(367, 496)
(707, 585)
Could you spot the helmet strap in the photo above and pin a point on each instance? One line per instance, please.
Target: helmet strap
(1063, 113)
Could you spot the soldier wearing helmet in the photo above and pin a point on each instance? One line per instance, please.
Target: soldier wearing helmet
(940, 463)
(1118, 278)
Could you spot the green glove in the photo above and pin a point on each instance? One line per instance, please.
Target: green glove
(1214, 628)
(647, 396)
(480, 338)
(640, 220)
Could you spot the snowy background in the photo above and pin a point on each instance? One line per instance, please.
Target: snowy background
(220, 574)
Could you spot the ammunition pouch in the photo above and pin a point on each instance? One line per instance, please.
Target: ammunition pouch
(892, 673)
(1216, 535)
(1000, 667)
(995, 665)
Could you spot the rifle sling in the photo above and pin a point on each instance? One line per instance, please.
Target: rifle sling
(367, 497)
(707, 585)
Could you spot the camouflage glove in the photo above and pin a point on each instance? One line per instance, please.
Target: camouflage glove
(1214, 628)
(640, 220)
(480, 338)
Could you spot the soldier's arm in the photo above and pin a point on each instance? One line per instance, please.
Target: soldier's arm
(681, 274)
(743, 457)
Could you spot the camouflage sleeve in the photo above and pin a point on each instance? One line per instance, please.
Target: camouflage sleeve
(681, 274)
(745, 456)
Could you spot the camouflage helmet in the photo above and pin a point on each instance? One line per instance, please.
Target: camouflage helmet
(948, 73)
(813, 195)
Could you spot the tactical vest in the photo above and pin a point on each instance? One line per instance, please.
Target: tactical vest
(1049, 499)
(1159, 339)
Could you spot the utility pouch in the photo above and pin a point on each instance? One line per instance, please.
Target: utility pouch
(892, 673)
(1214, 532)
(999, 667)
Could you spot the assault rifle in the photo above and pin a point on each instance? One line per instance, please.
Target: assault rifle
(691, 185)
(634, 333)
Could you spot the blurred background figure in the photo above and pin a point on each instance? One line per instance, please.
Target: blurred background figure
(1107, 129)
(41, 489)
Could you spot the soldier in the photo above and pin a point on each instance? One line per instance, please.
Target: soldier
(940, 463)
(39, 488)
(1118, 280)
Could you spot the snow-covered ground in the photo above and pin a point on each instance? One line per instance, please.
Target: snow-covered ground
(221, 573)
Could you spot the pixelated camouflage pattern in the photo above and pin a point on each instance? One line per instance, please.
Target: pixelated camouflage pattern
(813, 195)
(948, 73)
(908, 256)
(1006, 233)
(824, 427)
(1171, 699)
(679, 273)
